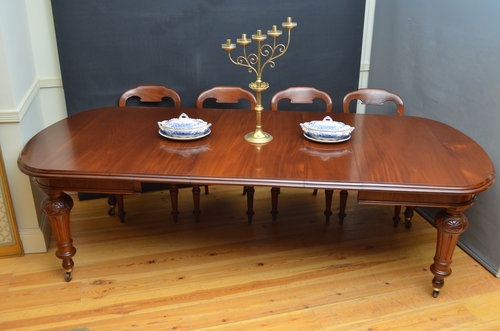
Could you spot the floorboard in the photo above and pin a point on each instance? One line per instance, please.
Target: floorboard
(221, 273)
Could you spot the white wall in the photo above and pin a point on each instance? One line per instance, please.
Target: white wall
(31, 98)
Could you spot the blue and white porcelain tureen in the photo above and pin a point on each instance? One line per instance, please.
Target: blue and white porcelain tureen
(184, 126)
(326, 129)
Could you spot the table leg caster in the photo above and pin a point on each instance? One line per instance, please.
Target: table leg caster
(68, 276)
(408, 217)
(437, 284)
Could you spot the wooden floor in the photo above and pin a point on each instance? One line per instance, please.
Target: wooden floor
(223, 274)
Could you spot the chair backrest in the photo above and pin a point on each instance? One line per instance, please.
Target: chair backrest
(373, 96)
(226, 95)
(150, 93)
(302, 94)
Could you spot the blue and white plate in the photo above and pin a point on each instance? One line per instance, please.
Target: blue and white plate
(184, 136)
(327, 140)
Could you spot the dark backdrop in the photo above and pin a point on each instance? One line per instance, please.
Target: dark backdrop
(106, 47)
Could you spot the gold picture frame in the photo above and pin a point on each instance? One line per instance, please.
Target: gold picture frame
(10, 243)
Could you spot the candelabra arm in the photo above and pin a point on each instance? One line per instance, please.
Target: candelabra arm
(242, 61)
(271, 52)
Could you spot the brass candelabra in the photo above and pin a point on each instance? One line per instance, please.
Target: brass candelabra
(256, 62)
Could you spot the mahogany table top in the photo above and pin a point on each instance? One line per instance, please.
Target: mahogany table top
(385, 152)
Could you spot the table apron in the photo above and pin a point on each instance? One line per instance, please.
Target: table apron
(89, 185)
(416, 199)
(122, 186)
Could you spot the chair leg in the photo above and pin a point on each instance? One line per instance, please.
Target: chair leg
(343, 203)
(315, 192)
(245, 190)
(116, 202)
(250, 193)
(275, 191)
(396, 218)
(206, 189)
(174, 195)
(121, 209)
(408, 216)
(112, 204)
(328, 205)
(196, 202)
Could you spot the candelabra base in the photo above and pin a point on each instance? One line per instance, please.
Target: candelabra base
(258, 137)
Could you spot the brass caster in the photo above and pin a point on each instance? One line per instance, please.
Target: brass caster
(68, 276)
(435, 293)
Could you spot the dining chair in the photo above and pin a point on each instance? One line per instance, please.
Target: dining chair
(226, 97)
(297, 95)
(377, 97)
(230, 97)
(302, 95)
(155, 95)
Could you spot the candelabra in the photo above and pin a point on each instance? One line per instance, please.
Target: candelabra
(256, 62)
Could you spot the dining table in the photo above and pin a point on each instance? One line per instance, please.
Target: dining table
(389, 160)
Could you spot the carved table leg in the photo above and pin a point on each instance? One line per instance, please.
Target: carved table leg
(450, 224)
(57, 206)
